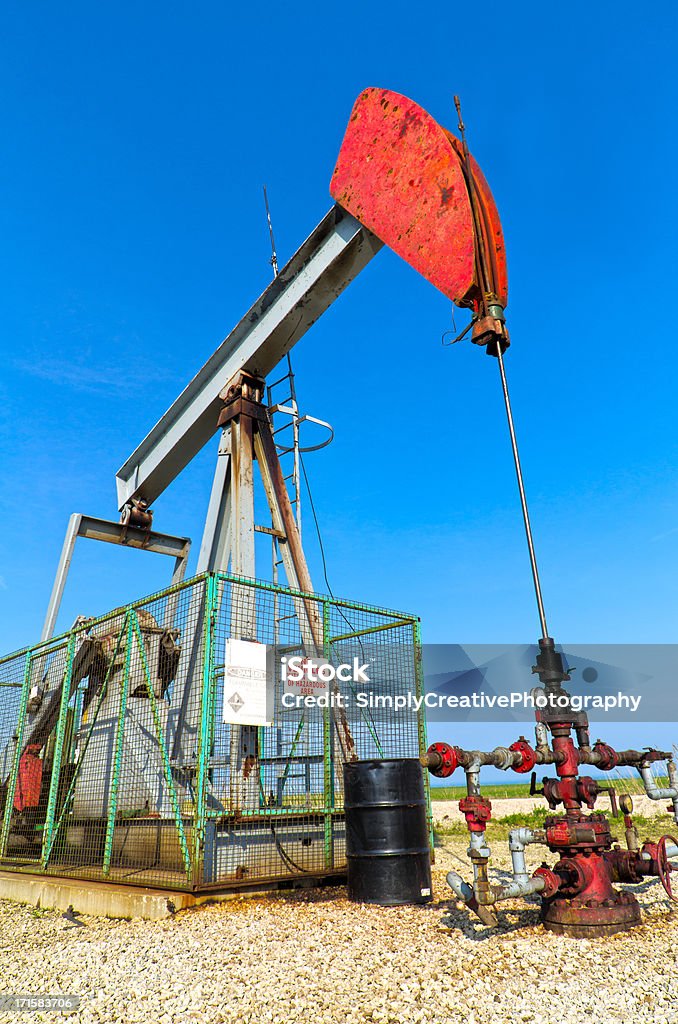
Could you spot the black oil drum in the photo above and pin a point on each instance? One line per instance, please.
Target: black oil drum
(387, 843)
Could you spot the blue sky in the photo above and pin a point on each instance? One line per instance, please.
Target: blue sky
(137, 138)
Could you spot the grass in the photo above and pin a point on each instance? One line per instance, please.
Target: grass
(499, 828)
(501, 792)
(512, 791)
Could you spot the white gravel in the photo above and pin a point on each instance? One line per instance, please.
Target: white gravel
(312, 956)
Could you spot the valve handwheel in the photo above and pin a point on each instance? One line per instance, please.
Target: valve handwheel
(664, 866)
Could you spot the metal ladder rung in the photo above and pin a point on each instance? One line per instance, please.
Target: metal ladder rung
(278, 381)
(278, 534)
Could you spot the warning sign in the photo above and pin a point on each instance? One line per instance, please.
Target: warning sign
(248, 683)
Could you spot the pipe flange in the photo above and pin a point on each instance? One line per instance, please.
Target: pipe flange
(442, 760)
(528, 755)
(551, 881)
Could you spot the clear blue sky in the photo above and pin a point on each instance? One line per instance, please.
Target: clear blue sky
(136, 141)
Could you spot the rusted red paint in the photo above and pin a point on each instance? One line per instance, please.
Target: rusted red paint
(398, 174)
(477, 810)
(401, 175)
(490, 225)
(585, 917)
(529, 757)
(441, 760)
(29, 781)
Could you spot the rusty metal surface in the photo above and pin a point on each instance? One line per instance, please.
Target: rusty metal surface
(587, 918)
(399, 175)
(490, 226)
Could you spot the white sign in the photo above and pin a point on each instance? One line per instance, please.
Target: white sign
(248, 685)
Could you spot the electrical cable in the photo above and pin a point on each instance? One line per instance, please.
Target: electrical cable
(286, 859)
(317, 529)
(348, 622)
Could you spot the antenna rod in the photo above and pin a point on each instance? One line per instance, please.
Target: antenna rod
(274, 255)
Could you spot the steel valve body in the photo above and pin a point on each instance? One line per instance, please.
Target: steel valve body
(585, 902)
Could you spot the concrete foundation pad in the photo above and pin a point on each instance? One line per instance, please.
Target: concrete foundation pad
(100, 899)
(111, 899)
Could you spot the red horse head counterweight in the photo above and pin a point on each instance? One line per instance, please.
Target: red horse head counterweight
(406, 178)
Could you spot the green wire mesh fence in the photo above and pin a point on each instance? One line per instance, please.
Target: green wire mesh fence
(119, 761)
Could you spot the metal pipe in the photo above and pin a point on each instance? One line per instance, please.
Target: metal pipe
(541, 735)
(459, 887)
(513, 890)
(522, 884)
(465, 893)
(673, 780)
(519, 838)
(523, 499)
(479, 854)
(652, 789)
(501, 757)
(473, 778)
(671, 852)
(627, 758)
(478, 845)
(655, 792)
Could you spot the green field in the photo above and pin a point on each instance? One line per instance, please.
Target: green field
(497, 792)
(498, 828)
(508, 791)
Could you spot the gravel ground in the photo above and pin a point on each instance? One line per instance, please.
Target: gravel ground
(312, 956)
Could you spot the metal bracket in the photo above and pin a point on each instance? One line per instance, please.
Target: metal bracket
(112, 533)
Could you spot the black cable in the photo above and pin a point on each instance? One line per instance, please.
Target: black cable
(317, 528)
(329, 588)
(286, 859)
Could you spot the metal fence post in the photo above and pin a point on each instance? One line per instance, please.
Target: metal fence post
(58, 752)
(92, 722)
(166, 766)
(328, 759)
(204, 737)
(117, 756)
(14, 776)
(421, 721)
